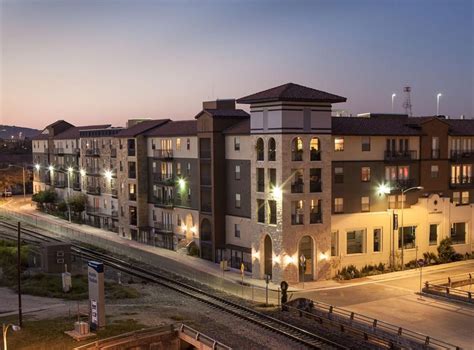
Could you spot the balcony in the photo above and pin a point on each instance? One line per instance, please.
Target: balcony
(76, 186)
(163, 154)
(97, 211)
(164, 179)
(113, 153)
(461, 181)
(166, 202)
(92, 170)
(394, 156)
(297, 219)
(92, 152)
(59, 183)
(162, 227)
(315, 186)
(315, 218)
(58, 151)
(95, 190)
(457, 155)
(403, 183)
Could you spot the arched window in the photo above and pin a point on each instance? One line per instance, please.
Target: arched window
(260, 149)
(314, 148)
(271, 149)
(297, 149)
(206, 230)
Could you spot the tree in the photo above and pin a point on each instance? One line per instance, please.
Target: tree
(43, 197)
(77, 203)
(446, 251)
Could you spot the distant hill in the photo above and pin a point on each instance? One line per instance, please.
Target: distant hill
(7, 131)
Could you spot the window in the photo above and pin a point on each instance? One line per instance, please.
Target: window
(435, 147)
(315, 152)
(355, 242)
(338, 205)
(189, 169)
(315, 184)
(178, 220)
(315, 215)
(178, 169)
(237, 200)
(334, 243)
(237, 172)
(456, 198)
(339, 144)
(261, 210)
(365, 143)
(188, 144)
(297, 212)
(237, 230)
(178, 144)
(297, 184)
(434, 171)
(458, 233)
(272, 175)
(408, 235)
(260, 149)
(260, 180)
(365, 174)
(433, 234)
(272, 207)
(189, 193)
(131, 147)
(297, 149)
(237, 143)
(365, 204)
(131, 170)
(339, 175)
(271, 149)
(465, 197)
(377, 239)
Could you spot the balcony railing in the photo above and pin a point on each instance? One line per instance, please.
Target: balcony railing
(163, 227)
(92, 152)
(297, 156)
(297, 219)
(93, 190)
(90, 210)
(461, 181)
(399, 155)
(297, 187)
(460, 155)
(92, 170)
(165, 202)
(164, 154)
(315, 186)
(403, 183)
(59, 183)
(58, 151)
(76, 186)
(165, 179)
(315, 218)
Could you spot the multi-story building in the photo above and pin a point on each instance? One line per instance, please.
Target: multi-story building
(287, 190)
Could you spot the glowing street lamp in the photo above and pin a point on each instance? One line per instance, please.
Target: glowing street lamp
(393, 99)
(182, 183)
(51, 168)
(82, 172)
(277, 192)
(5, 328)
(37, 167)
(383, 189)
(108, 175)
(438, 96)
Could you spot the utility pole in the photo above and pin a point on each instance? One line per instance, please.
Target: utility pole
(20, 316)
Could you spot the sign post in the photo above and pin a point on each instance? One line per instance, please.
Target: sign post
(95, 273)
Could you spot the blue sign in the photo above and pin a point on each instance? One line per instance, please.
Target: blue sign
(97, 266)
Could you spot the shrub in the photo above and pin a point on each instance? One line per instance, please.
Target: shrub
(78, 203)
(446, 251)
(348, 272)
(62, 206)
(430, 258)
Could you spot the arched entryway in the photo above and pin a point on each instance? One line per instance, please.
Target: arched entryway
(306, 249)
(268, 255)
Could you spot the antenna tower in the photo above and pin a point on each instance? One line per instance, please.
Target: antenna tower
(407, 102)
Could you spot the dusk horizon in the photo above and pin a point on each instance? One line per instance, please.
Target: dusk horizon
(115, 61)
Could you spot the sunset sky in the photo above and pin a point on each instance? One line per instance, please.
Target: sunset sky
(109, 60)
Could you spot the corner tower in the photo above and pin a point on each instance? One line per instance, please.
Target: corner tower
(291, 181)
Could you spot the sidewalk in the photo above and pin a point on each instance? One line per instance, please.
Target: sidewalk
(189, 266)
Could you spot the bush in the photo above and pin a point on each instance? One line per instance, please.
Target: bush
(446, 251)
(44, 197)
(193, 250)
(62, 206)
(348, 273)
(430, 258)
(78, 203)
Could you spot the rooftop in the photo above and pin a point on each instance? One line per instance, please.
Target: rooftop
(175, 128)
(141, 127)
(292, 92)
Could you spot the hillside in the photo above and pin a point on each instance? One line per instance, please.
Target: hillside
(6, 131)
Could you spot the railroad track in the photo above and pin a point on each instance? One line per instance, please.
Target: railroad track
(297, 334)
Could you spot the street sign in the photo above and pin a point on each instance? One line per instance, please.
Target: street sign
(395, 222)
(95, 274)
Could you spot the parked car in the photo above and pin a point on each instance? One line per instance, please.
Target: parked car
(6, 193)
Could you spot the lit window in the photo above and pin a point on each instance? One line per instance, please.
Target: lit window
(355, 242)
(178, 169)
(465, 197)
(338, 205)
(237, 200)
(434, 171)
(365, 174)
(237, 172)
(392, 202)
(178, 144)
(339, 144)
(365, 203)
(456, 198)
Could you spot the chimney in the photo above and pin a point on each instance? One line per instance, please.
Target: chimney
(463, 117)
(219, 104)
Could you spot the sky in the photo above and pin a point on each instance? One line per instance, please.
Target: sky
(111, 60)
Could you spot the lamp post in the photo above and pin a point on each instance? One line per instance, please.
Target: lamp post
(5, 328)
(438, 96)
(393, 99)
(69, 172)
(404, 191)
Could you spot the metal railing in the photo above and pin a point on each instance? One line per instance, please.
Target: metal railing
(369, 329)
(449, 287)
(461, 181)
(399, 155)
(202, 338)
(93, 190)
(58, 151)
(94, 152)
(460, 154)
(163, 154)
(163, 227)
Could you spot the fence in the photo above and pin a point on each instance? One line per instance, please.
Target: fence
(148, 254)
(449, 287)
(371, 330)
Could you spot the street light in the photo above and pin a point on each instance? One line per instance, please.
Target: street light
(438, 96)
(277, 192)
(5, 327)
(417, 188)
(69, 172)
(393, 99)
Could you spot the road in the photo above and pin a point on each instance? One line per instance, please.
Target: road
(393, 300)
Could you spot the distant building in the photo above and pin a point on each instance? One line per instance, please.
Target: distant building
(268, 188)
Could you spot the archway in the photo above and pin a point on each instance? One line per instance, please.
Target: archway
(268, 255)
(306, 249)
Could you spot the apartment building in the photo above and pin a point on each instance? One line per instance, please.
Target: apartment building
(287, 190)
